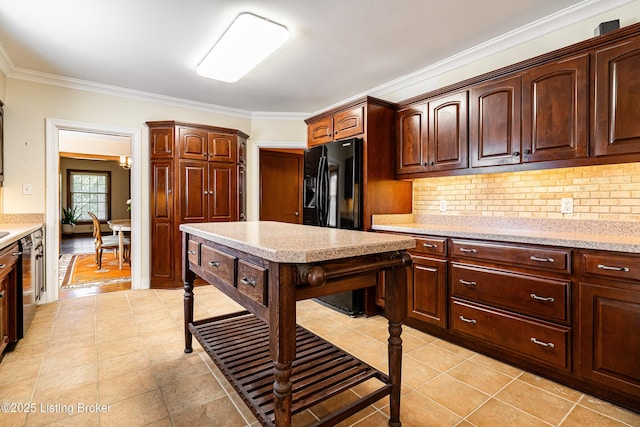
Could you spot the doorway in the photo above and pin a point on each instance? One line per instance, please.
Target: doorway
(281, 177)
(53, 205)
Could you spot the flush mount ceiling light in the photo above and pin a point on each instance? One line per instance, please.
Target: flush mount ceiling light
(247, 41)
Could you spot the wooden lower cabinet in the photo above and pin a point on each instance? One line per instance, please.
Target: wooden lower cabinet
(427, 290)
(609, 339)
(8, 297)
(571, 315)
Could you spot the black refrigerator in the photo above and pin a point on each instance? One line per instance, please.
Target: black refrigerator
(332, 198)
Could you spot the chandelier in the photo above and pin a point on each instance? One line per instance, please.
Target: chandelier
(125, 162)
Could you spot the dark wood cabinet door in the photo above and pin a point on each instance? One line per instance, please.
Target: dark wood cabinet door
(242, 193)
(555, 111)
(162, 190)
(192, 143)
(348, 123)
(162, 251)
(494, 123)
(192, 176)
(161, 143)
(221, 197)
(427, 294)
(448, 135)
(609, 319)
(320, 132)
(221, 147)
(411, 140)
(617, 127)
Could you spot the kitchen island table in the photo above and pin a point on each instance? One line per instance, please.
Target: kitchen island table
(278, 368)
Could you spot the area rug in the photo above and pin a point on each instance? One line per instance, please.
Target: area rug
(82, 271)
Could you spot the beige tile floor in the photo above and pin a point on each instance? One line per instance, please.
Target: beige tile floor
(117, 359)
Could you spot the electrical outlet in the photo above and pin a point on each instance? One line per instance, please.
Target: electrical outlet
(443, 205)
(27, 189)
(566, 205)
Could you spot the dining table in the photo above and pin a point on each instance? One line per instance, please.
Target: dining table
(119, 227)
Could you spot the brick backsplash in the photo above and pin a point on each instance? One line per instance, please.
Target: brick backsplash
(608, 192)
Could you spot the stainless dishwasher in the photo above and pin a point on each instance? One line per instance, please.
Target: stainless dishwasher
(30, 279)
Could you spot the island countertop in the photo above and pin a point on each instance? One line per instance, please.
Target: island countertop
(294, 243)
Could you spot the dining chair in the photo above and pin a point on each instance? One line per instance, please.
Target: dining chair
(105, 242)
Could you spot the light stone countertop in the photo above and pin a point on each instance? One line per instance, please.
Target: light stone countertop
(619, 237)
(16, 232)
(293, 243)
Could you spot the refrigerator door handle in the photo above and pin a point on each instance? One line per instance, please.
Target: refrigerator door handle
(320, 192)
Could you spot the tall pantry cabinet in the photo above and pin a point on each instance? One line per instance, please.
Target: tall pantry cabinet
(197, 175)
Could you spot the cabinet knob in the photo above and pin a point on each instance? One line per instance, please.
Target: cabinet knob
(527, 151)
(433, 163)
(296, 213)
(516, 153)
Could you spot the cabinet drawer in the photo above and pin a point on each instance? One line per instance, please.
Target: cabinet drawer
(536, 296)
(618, 266)
(252, 281)
(193, 252)
(558, 260)
(534, 340)
(430, 245)
(218, 265)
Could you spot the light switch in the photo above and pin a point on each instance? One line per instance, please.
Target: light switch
(27, 189)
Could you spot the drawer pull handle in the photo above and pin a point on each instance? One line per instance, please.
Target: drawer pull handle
(544, 344)
(215, 264)
(2, 294)
(192, 252)
(248, 282)
(471, 251)
(16, 253)
(607, 267)
(535, 258)
(3, 265)
(549, 299)
(429, 245)
(467, 283)
(464, 319)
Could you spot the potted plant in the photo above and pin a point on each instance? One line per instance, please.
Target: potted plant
(69, 219)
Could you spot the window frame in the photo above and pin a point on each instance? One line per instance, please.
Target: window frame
(107, 173)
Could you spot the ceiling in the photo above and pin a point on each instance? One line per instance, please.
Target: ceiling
(337, 49)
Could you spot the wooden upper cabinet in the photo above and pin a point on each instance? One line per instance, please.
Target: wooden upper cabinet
(320, 132)
(340, 125)
(348, 123)
(448, 136)
(617, 105)
(411, 134)
(161, 143)
(192, 143)
(221, 147)
(555, 110)
(494, 123)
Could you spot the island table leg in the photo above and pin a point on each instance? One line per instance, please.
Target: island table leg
(396, 312)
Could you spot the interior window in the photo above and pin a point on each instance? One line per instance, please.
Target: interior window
(90, 191)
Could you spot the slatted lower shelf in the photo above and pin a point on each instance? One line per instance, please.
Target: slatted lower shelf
(239, 346)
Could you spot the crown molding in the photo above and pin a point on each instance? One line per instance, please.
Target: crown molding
(542, 27)
(569, 16)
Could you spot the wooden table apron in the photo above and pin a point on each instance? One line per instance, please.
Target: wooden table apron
(280, 313)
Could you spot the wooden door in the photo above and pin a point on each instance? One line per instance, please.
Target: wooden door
(348, 123)
(609, 319)
(411, 134)
(161, 143)
(221, 192)
(281, 175)
(494, 123)
(448, 132)
(221, 147)
(617, 128)
(192, 143)
(427, 287)
(193, 191)
(555, 111)
(162, 252)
